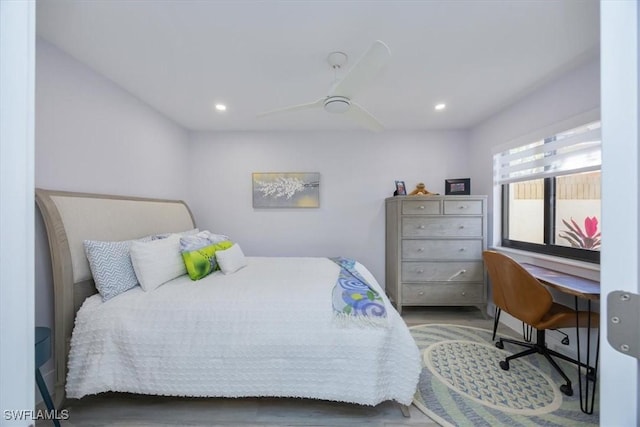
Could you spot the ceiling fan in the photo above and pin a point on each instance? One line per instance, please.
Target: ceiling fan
(339, 98)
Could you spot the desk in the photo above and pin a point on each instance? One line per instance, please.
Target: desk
(588, 290)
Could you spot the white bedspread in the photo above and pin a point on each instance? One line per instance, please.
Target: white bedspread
(266, 330)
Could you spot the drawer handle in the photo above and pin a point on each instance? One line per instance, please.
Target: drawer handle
(462, 207)
(421, 293)
(464, 293)
(461, 227)
(462, 249)
(421, 207)
(420, 249)
(420, 271)
(459, 273)
(421, 227)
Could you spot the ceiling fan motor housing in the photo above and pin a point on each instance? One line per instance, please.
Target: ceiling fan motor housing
(338, 99)
(337, 104)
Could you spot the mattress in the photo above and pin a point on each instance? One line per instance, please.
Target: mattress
(267, 330)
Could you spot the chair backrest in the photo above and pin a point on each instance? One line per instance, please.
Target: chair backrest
(515, 290)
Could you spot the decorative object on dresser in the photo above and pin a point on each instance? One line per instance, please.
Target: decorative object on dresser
(434, 250)
(459, 187)
(420, 190)
(401, 189)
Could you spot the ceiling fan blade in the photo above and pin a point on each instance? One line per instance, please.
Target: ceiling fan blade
(316, 104)
(363, 71)
(361, 116)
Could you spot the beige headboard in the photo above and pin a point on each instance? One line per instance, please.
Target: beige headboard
(70, 218)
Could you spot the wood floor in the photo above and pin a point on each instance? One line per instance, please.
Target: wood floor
(123, 410)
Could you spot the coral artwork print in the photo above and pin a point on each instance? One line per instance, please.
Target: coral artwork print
(286, 190)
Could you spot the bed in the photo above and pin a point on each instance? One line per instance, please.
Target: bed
(266, 329)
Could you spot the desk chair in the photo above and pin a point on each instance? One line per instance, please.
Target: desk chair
(521, 295)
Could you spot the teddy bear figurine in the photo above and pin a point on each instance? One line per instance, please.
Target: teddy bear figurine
(420, 190)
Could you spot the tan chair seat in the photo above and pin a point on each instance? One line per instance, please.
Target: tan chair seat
(561, 316)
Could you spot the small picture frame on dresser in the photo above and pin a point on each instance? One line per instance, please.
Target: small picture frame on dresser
(401, 189)
(461, 186)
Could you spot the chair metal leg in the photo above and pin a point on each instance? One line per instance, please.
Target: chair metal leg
(557, 367)
(531, 348)
(539, 346)
(504, 364)
(522, 354)
(521, 343)
(496, 321)
(527, 331)
(570, 360)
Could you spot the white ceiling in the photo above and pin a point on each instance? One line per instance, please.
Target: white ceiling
(182, 57)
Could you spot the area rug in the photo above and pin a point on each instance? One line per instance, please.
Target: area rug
(461, 383)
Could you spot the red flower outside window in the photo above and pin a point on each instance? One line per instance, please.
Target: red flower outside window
(577, 238)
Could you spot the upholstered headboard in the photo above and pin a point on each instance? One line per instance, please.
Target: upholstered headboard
(70, 218)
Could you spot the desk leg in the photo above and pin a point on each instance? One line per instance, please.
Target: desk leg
(589, 389)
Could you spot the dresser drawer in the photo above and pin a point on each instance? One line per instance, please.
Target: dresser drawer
(447, 293)
(442, 227)
(442, 249)
(421, 207)
(439, 271)
(463, 207)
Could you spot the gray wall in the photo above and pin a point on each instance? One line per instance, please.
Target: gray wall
(357, 171)
(92, 136)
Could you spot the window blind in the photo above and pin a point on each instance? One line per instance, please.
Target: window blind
(573, 151)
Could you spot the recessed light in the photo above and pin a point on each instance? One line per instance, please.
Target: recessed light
(221, 107)
(440, 107)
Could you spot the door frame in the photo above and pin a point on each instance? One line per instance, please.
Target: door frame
(619, 21)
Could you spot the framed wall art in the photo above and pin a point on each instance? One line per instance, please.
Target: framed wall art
(286, 189)
(460, 186)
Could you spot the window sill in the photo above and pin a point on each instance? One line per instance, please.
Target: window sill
(564, 265)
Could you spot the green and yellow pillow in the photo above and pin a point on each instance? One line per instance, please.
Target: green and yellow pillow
(199, 257)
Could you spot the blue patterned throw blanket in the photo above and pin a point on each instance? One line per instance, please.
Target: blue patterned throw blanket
(354, 300)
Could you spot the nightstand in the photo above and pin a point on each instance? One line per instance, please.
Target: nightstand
(43, 353)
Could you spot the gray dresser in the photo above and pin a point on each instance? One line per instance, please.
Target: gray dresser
(434, 250)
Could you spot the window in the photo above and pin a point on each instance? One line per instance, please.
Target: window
(551, 194)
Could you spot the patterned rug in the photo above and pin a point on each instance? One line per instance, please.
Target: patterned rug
(461, 383)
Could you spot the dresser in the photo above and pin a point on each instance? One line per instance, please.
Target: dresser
(434, 250)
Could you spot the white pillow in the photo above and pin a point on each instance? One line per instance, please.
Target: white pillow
(231, 260)
(157, 262)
